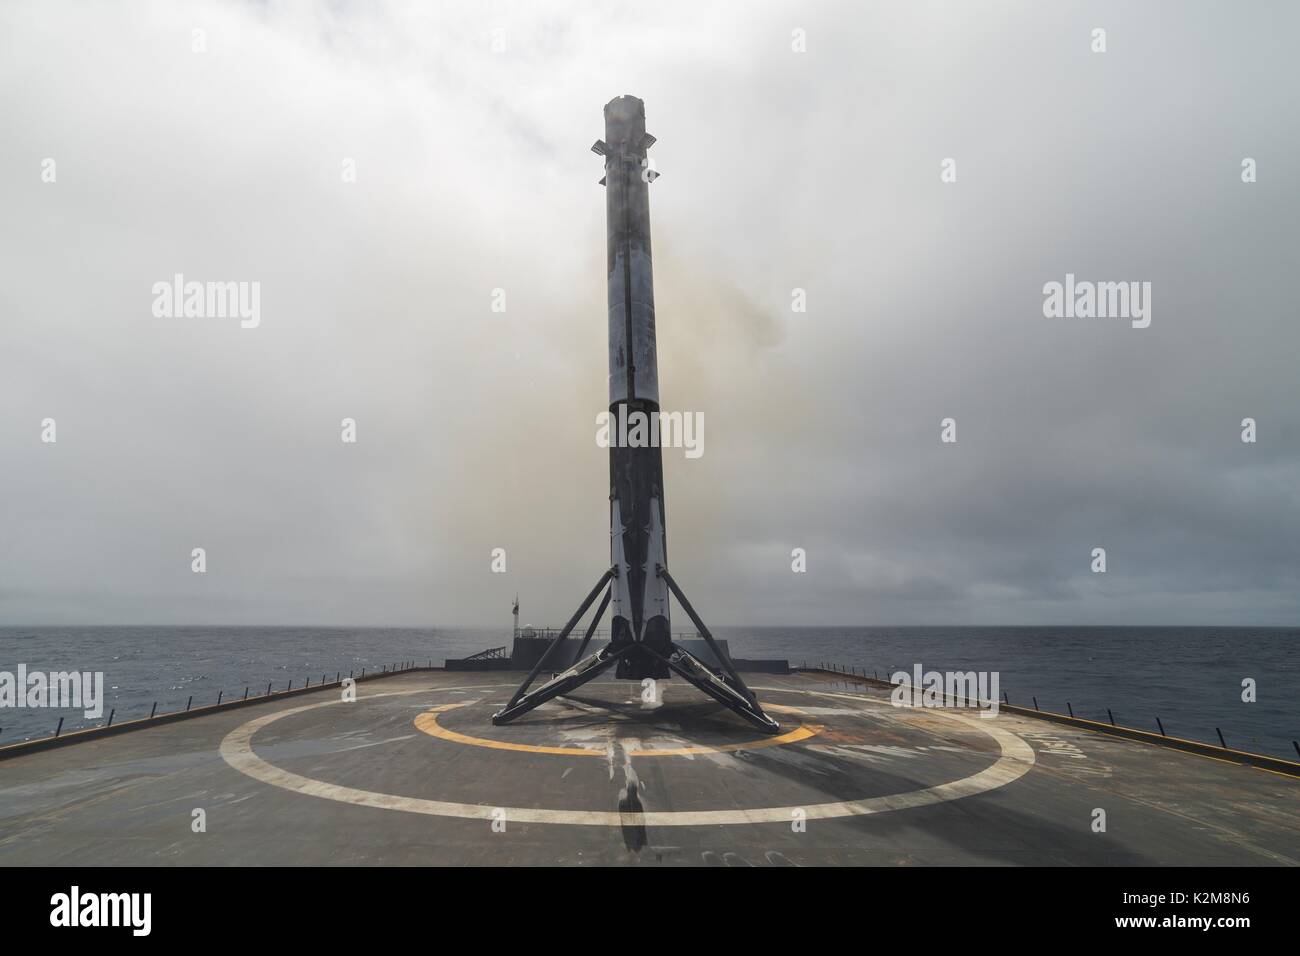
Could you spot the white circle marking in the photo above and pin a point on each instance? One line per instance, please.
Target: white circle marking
(1014, 760)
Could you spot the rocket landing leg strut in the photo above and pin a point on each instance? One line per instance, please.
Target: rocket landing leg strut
(726, 688)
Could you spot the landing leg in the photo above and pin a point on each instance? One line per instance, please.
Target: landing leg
(595, 622)
(729, 691)
(687, 666)
(575, 676)
(565, 683)
(564, 632)
(732, 692)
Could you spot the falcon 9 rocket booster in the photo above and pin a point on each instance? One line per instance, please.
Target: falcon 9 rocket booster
(639, 584)
(638, 543)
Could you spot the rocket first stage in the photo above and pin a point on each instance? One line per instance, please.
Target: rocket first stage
(636, 499)
(638, 581)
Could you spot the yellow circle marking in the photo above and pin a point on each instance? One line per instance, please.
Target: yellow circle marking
(1015, 759)
(428, 723)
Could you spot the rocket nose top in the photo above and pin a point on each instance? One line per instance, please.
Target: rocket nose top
(625, 121)
(627, 104)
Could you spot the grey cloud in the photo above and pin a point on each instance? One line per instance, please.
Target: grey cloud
(780, 170)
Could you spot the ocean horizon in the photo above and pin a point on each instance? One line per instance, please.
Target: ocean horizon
(1190, 678)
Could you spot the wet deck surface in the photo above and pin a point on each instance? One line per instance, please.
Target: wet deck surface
(413, 772)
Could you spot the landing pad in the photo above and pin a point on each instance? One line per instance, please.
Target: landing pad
(414, 772)
(605, 735)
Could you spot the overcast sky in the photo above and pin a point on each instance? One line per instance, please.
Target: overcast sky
(780, 169)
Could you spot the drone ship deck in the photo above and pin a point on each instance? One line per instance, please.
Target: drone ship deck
(414, 772)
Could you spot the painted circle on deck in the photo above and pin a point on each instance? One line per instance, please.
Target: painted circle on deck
(427, 722)
(1015, 758)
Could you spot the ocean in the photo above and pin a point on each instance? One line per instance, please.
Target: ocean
(1191, 678)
